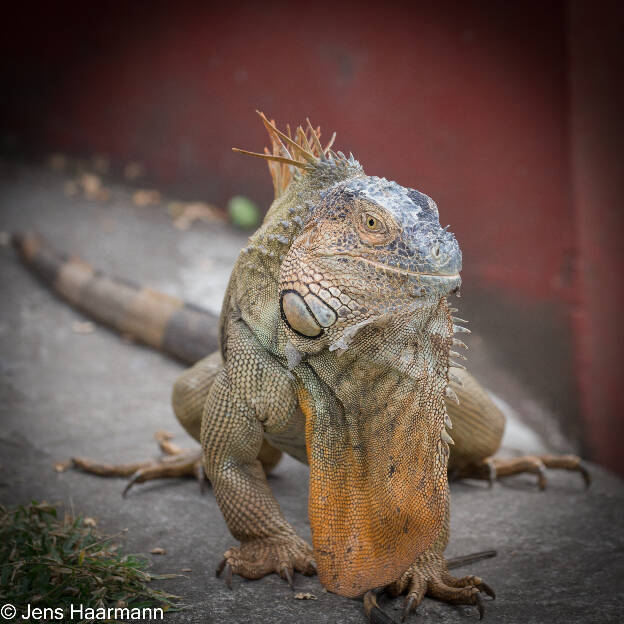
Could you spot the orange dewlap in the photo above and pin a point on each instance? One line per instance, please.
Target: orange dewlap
(373, 507)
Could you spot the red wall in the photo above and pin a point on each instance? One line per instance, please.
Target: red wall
(597, 129)
(465, 103)
(474, 103)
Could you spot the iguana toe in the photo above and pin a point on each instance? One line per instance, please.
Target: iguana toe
(187, 465)
(429, 576)
(469, 595)
(493, 468)
(257, 558)
(175, 463)
(480, 606)
(411, 602)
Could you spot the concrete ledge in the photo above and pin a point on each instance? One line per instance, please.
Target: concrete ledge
(62, 393)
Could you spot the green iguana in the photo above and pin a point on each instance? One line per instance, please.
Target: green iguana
(336, 339)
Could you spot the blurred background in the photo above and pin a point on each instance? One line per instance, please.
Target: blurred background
(508, 114)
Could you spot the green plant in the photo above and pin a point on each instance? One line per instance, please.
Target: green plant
(46, 561)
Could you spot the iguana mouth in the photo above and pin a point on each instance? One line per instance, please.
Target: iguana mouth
(385, 267)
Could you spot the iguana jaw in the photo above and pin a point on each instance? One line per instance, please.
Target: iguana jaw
(388, 267)
(338, 295)
(438, 282)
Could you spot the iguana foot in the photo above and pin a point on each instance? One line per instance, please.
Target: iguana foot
(493, 468)
(177, 462)
(429, 576)
(259, 557)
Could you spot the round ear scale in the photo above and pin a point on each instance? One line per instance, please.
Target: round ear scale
(306, 316)
(298, 316)
(324, 315)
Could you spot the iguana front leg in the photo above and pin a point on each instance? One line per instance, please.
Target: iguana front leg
(251, 395)
(189, 396)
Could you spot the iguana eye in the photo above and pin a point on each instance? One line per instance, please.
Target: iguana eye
(375, 228)
(372, 223)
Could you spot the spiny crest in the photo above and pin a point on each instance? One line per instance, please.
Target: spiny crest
(303, 151)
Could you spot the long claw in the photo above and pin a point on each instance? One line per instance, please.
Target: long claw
(480, 605)
(582, 468)
(408, 606)
(374, 613)
(491, 473)
(484, 587)
(133, 479)
(541, 477)
(200, 474)
(228, 572)
(228, 575)
(287, 576)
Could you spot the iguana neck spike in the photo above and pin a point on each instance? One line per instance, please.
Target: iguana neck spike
(291, 157)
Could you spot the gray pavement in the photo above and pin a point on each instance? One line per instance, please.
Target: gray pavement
(63, 393)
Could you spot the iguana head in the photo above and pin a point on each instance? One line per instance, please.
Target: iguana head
(345, 248)
(370, 249)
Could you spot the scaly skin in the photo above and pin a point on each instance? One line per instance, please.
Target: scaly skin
(335, 338)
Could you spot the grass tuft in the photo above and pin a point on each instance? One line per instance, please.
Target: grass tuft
(48, 561)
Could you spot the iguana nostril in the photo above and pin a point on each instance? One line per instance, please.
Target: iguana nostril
(435, 251)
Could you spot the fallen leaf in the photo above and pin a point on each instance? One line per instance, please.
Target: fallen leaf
(186, 570)
(133, 170)
(102, 195)
(91, 185)
(146, 197)
(83, 327)
(304, 596)
(184, 214)
(158, 551)
(162, 434)
(243, 212)
(61, 466)
(176, 208)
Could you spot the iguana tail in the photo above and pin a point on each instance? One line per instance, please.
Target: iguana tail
(166, 323)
